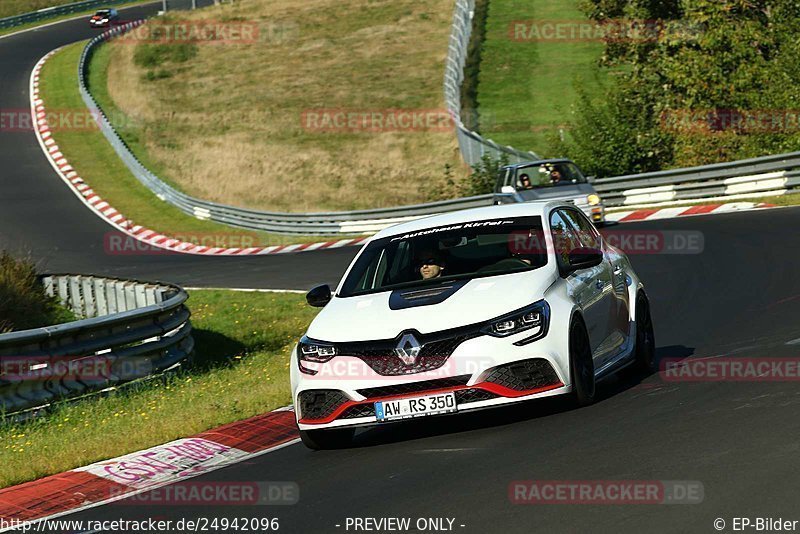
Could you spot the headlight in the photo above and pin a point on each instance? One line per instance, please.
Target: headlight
(535, 318)
(593, 200)
(315, 351)
(309, 350)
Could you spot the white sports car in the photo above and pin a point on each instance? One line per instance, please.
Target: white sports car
(468, 310)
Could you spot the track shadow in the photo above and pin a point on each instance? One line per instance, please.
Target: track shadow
(506, 415)
(213, 350)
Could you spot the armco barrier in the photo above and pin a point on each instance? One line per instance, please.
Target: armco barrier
(768, 175)
(473, 146)
(129, 330)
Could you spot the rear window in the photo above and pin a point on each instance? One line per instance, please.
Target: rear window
(456, 252)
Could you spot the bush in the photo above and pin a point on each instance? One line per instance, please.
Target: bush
(23, 302)
(484, 175)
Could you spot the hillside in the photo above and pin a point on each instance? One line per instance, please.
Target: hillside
(253, 122)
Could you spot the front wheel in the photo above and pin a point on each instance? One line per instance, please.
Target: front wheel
(333, 438)
(581, 364)
(645, 349)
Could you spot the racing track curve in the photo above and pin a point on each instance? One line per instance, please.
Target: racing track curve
(741, 297)
(40, 216)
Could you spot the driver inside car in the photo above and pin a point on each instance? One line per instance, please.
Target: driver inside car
(431, 266)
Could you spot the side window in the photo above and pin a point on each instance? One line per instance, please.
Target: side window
(564, 238)
(587, 234)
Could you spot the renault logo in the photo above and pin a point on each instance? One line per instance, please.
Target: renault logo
(408, 349)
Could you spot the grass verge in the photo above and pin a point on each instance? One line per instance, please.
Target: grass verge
(243, 343)
(527, 88)
(92, 157)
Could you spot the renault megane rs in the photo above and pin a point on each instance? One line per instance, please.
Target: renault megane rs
(468, 310)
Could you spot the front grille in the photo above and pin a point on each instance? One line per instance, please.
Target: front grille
(414, 387)
(474, 395)
(435, 350)
(358, 410)
(524, 375)
(320, 403)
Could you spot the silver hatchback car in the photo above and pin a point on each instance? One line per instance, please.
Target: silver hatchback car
(549, 179)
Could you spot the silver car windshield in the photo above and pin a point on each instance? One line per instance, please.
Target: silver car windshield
(455, 252)
(546, 175)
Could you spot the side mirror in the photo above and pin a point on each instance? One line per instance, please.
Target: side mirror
(591, 179)
(508, 189)
(585, 258)
(319, 296)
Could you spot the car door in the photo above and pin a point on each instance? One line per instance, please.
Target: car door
(587, 287)
(612, 275)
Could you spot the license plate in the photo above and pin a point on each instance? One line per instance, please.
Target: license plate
(415, 406)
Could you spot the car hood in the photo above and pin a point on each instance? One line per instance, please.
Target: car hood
(369, 317)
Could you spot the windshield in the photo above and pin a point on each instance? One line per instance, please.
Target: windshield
(455, 252)
(547, 175)
(102, 13)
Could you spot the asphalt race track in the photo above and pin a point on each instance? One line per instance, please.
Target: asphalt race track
(40, 216)
(739, 298)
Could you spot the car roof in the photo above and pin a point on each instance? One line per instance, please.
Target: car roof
(537, 162)
(504, 211)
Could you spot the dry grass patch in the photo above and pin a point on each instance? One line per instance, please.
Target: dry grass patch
(225, 125)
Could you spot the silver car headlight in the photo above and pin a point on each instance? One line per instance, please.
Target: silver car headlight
(593, 200)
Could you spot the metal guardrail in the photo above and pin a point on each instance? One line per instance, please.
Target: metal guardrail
(128, 331)
(473, 146)
(776, 174)
(56, 11)
(696, 182)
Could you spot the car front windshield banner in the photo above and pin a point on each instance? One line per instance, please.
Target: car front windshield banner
(460, 251)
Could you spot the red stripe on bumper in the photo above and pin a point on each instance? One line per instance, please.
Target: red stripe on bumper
(491, 387)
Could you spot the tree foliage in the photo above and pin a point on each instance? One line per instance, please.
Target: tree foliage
(713, 80)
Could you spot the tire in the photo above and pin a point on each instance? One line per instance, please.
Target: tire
(581, 364)
(645, 348)
(334, 438)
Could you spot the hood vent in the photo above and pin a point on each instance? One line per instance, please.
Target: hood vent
(411, 298)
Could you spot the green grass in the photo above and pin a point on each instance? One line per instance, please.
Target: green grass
(26, 9)
(243, 341)
(526, 89)
(92, 157)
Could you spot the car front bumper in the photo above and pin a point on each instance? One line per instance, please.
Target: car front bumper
(482, 372)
